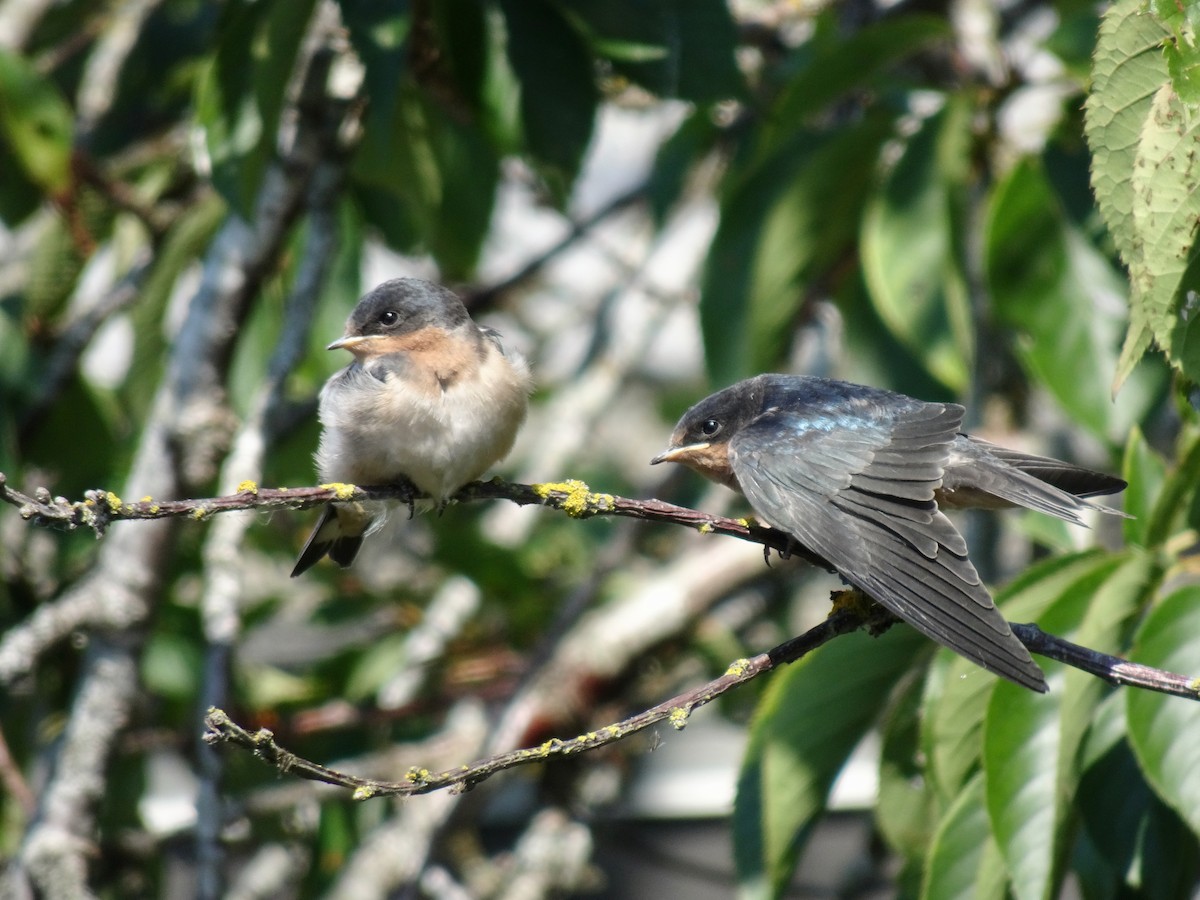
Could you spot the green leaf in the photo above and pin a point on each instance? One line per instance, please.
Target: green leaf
(1048, 282)
(1031, 741)
(954, 718)
(873, 354)
(462, 42)
(673, 48)
(1166, 208)
(378, 31)
(727, 281)
(964, 861)
(240, 95)
(1128, 70)
(171, 666)
(812, 225)
(906, 810)
(1140, 843)
(20, 197)
(375, 665)
(558, 90)
(1165, 730)
(1182, 51)
(36, 123)
(182, 247)
(791, 218)
(1176, 493)
(693, 138)
(841, 64)
(471, 173)
(263, 686)
(812, 716)
(1145, 471)
(438, 188)
(910, 251)
(1144, 138)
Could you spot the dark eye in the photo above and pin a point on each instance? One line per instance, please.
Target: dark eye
(710, 427)
(388, 317)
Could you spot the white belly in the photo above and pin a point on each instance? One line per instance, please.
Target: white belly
(376, 431)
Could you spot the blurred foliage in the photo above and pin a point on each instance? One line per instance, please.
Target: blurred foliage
(926, 184)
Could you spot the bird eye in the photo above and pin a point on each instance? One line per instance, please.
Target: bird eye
(710, 427)
(388, 317)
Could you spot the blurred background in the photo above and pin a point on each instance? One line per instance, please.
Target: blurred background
(650, 199)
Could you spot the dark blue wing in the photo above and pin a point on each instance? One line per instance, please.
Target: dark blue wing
(859, 491)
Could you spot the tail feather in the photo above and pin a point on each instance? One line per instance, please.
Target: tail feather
(1066, 477)
(336, 536)
(982, 474)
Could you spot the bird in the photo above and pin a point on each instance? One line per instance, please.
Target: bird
(431, 398)
(860, 476)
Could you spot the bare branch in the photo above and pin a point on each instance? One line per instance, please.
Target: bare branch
(222, 729)
(55, 851)
(100, 508)
(574, 498)
(1112, 669)
(852, 611)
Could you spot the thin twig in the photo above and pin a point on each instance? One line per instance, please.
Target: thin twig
(222, 729)
(1112, 669)
(849, 614)
(100, 508)
(486, 296)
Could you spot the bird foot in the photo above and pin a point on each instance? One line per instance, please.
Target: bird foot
(408, 494)
(785, 554)
(873, 617)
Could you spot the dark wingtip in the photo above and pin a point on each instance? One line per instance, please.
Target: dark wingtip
(317, 544)
(1038, 684)
(310, 556)
(343, 550)
(1023, 673)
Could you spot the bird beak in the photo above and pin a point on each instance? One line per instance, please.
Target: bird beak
(678, 454)
(349, 342)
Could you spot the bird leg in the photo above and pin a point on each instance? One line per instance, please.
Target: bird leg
(786, 553)
(408, 493)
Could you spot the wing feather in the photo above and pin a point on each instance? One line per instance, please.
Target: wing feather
(862, 497)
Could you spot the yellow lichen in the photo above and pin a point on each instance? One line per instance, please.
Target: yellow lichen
(113, 501)
(738, 668)
(706, 528)
(416, 775)
(363, 792)
(199, 513)
(579, 501)
(1194, 685)
(341, 490)
(248, 487)
(678, 718)
(851, 600)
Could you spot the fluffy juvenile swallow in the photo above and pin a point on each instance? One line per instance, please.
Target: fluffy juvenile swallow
(430, 397)
(860, 475)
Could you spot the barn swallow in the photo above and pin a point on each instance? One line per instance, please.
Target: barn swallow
(860, 476)
(431, 398)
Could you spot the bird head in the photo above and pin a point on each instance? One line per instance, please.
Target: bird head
(387, 318)
(701, 439)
